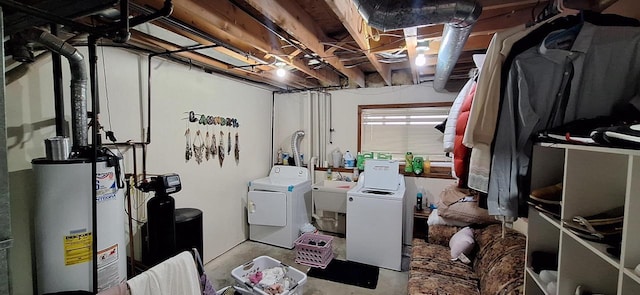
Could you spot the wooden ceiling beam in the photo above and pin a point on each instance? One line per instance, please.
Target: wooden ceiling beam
(353, 22)
(502, 4)
(411, 39)
(231, 25)
(490, 21)
(479, 42)
(245, 58)
(289, 16)
(267, 77)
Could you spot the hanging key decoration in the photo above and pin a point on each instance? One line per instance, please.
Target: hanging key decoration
(221, 149)
(237, 150)
(188, 152)
(207, 146)
(198, 147)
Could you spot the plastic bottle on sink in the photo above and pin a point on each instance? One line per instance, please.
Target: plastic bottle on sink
(349, 160)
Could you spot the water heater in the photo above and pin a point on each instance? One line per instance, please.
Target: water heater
(63, 225)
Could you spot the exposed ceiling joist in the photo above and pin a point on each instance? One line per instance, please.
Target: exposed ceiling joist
(264, 77)
(411, 39)
(289, 16)
(478, 42)
(230, 24)
(353, 22)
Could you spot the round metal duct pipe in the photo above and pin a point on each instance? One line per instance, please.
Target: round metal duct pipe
(458, 16)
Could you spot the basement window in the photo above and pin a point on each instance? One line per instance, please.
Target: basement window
(396, 129)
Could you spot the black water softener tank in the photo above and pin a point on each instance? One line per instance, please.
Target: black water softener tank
(161, 226)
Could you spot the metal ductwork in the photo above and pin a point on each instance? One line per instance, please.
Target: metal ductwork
(79, 124)
(458, 16)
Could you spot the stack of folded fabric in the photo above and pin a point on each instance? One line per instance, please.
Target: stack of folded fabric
(547, 199)
(605, 227)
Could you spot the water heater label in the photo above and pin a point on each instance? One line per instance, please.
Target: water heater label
(77, 248)
(106, 187)
(108, 275)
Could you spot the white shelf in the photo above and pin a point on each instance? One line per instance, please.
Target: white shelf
(597, 248)
(631, 274)
(591, 148)
(595, 179)
(537, 280)
(550, 219)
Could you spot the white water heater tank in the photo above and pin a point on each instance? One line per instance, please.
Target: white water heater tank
(63, 226)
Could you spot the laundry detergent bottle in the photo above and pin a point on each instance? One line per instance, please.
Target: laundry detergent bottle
(349, 160)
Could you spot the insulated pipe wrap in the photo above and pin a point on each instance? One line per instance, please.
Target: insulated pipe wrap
(79, 118)
(459, 16)
(387, 15)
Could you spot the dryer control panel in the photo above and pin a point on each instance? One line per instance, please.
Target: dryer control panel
(281, 171)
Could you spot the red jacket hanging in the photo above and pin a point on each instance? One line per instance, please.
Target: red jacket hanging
(461, 153)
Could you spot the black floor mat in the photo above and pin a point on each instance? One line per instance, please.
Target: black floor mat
(348, 272)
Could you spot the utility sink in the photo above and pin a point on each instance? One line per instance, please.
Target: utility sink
(331, 195)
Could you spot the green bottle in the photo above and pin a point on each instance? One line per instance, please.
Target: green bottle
(360, 161)
(408, 167)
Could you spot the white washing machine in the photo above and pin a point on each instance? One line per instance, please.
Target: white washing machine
(375, 216)
(278, 205)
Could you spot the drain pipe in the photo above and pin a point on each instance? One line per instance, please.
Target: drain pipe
(459, 16)
(79, 122)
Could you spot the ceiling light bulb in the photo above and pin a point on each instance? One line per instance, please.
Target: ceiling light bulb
(281, 72)
(421, 60)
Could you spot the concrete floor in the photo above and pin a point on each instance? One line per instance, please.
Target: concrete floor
(219, 270)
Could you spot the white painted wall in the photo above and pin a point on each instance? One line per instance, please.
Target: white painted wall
(291, 114)
(220, 192)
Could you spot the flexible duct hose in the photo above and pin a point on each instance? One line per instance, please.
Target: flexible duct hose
(79, 122)
(295, 145)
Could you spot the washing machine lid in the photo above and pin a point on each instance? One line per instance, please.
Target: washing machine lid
(363, 191)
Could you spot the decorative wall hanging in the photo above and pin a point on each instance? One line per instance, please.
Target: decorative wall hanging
(221, 149)
(237, 150)
(213, 149)
(198, 147)
(205, 145)
(203, 119)
(188, 153)
(229, 143)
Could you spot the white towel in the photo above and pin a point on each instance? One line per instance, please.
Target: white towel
(176, 275)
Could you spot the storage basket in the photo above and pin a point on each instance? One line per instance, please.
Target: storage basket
(241, 275)
(314, 250)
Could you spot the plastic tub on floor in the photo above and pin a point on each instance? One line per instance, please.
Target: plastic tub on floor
(241, 275)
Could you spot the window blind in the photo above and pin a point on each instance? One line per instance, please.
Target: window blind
(399, 130)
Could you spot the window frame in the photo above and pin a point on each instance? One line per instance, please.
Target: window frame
(441, 172)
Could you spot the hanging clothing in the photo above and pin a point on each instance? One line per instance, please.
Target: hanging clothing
(460, 151)
(484, 111)
(452, 118)
(548, 85)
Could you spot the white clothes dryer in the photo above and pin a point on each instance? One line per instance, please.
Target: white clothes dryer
(279, 205)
